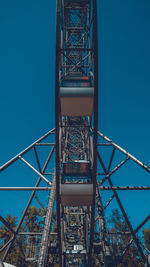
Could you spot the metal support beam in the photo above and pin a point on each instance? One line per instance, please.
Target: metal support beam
(123, 211)
(140, 163)
(107, 204)
(37, 158)
(25, 188)
(57, 116)
(3, 167)
(33, 169)
(7, 224)
(124, 187)
(43, 255)
(107, 257)
(27, 206)
(95, 47)
(135, 231)
(39, 202)
(114, 170)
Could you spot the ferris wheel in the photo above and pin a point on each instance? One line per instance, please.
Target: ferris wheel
(75, 229)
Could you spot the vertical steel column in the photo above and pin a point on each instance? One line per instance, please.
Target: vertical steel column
(43, 256)
(103, 231)
(95, 46)
(57, 115)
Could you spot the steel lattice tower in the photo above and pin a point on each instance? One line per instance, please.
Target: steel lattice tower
(76, 185)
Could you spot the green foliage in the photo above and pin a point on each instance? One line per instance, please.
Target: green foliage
(5, 233)
(15, 256)
(32, 223)
(119, 242)
(146, 235)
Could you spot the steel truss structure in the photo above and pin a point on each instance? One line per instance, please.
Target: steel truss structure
(82, 171)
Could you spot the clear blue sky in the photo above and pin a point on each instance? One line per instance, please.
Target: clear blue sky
(27, 77)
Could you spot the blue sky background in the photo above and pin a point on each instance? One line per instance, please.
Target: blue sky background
(27, 86)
